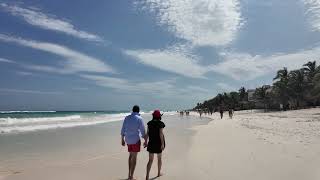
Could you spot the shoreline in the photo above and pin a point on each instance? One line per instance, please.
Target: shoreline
(252, 145)
(92, 152)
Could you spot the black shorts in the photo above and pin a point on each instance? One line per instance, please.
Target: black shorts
(154, 147)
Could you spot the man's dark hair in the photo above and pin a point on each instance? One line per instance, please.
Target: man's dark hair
(136, 108)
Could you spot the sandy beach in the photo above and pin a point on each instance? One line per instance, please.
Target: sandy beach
(253, 145)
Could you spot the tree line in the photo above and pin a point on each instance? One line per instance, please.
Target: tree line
(299, 88)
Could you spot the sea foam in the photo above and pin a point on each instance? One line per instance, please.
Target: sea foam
(17, 125)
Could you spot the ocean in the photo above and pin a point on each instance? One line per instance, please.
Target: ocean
(24, 121)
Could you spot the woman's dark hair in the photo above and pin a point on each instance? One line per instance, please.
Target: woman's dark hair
(136, 108)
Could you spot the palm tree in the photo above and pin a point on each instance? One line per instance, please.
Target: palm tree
(297, 85)
(234, 99)
(316, 88)
(310, 68)
(315, 92)
(226, 99)
(281, 86)
(220, 99)
(242, 94)
(261, 94)
(282, 75)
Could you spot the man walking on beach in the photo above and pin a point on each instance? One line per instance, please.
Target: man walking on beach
(221, 112)
(130, 133)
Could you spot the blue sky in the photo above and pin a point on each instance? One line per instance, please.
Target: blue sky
(168, 54)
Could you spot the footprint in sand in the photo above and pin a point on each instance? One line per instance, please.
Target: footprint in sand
(4, 174)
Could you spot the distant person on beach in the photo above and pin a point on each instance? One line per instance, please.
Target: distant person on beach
(230, 113)
(211, 110)
(156, 142)
(221, 112)
(132, 126)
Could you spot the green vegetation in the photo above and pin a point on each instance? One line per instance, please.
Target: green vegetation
(291, 90)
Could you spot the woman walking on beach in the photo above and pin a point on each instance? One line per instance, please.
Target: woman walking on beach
(230, 113)
(156, 142)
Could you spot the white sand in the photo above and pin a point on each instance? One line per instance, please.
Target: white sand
(251, 146)
(277, 145)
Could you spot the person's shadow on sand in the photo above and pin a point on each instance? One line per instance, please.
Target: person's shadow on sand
(157, 177)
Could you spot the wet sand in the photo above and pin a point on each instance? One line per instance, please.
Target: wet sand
(92, 152)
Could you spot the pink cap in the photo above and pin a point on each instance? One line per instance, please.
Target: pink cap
(156, 113)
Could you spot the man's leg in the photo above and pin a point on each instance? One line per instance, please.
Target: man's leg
(159, 164)
(129, 163)
(133, 163)
(151, 155)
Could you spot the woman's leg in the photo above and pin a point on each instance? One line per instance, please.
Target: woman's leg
(149, 165)
(159, 164)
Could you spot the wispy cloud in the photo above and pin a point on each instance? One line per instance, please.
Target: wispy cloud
(313, 13)
(125, 85)
(80, 88)
(244, 66)
(239, 66)
(4, 60)
(202, 22)
(75, 61)
(226, 87)
(6, 90)
(50, 22)
(110, 82)
(44, 68)
(171, 60)
(165, 88)
(24, 73)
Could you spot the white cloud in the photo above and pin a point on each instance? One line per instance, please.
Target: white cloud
(4, 60)
(171, 60)
(243, 66)
(49, 22)
(28, 91)
(313, 13)
(202, 22)
(75, 61)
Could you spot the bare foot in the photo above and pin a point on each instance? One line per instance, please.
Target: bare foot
(160, 174)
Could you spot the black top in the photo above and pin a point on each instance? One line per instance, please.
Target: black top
(154, 127)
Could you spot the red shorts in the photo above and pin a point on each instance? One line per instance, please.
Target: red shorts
(134, 147)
